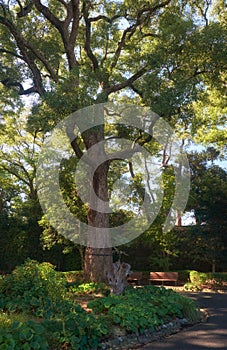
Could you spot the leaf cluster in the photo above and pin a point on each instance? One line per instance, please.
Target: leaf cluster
(142, 309)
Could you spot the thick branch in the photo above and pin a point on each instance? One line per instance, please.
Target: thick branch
(75, 24)
(10, 83)
(131, 169)
(37, 54)
(26, 55)
(120, 47)
(132, 29)
(76, 148)
(63, 27)
(137, 91)
(87, 45)
(24, 11)
(127, 82)
(105, 18)
(205, 11)
(4, 7)
(49, 15)
(15, 173)
(43, 60)
(152, 9)
(63, 3)
(150, 135)
(165, 157)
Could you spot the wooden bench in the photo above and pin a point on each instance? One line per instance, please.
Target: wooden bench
(164, 277)
(135, 278)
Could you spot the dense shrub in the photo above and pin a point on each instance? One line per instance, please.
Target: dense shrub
(58, 322)
(199, 280)
(32, 287)
(145, 308)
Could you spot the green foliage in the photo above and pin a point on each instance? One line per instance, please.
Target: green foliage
(197, 277)
(89, 288)
(33, 287)
(168, 55)
(23, 336)
(209, 187)
(199, 280)
(144, 308)
(39, 290)
(64, 324)
(73, 276)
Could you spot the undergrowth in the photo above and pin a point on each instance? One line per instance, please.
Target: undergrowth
(39, 310)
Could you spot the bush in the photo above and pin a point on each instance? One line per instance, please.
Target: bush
(200, 279)
(41, 291)
(32, 287)
(220, 276)
(145, 308)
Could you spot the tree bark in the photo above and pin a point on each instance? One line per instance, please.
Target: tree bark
(98, 261)
(98, 258)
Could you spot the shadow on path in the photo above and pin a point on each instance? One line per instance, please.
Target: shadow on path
(209, 335)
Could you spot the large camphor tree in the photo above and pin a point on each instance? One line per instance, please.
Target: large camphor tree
(69, 54)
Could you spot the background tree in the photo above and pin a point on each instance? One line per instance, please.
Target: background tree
(20, 233)
(208, 198)
(72, 54)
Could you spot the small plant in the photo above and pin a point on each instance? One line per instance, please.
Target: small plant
(73, 276)
(90, 288)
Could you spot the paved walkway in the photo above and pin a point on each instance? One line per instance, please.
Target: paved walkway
(209, 335)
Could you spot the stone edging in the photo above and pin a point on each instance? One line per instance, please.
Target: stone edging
(134, 341)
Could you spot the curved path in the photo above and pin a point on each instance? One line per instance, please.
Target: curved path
(208, 335)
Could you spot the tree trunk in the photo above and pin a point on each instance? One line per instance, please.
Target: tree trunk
(99, 261)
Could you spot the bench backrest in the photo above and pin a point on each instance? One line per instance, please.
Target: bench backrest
(173, 276)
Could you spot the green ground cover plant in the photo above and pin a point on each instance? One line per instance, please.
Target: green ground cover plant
(40, 310)
(145, 308)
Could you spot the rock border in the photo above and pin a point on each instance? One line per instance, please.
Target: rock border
(133, 341)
